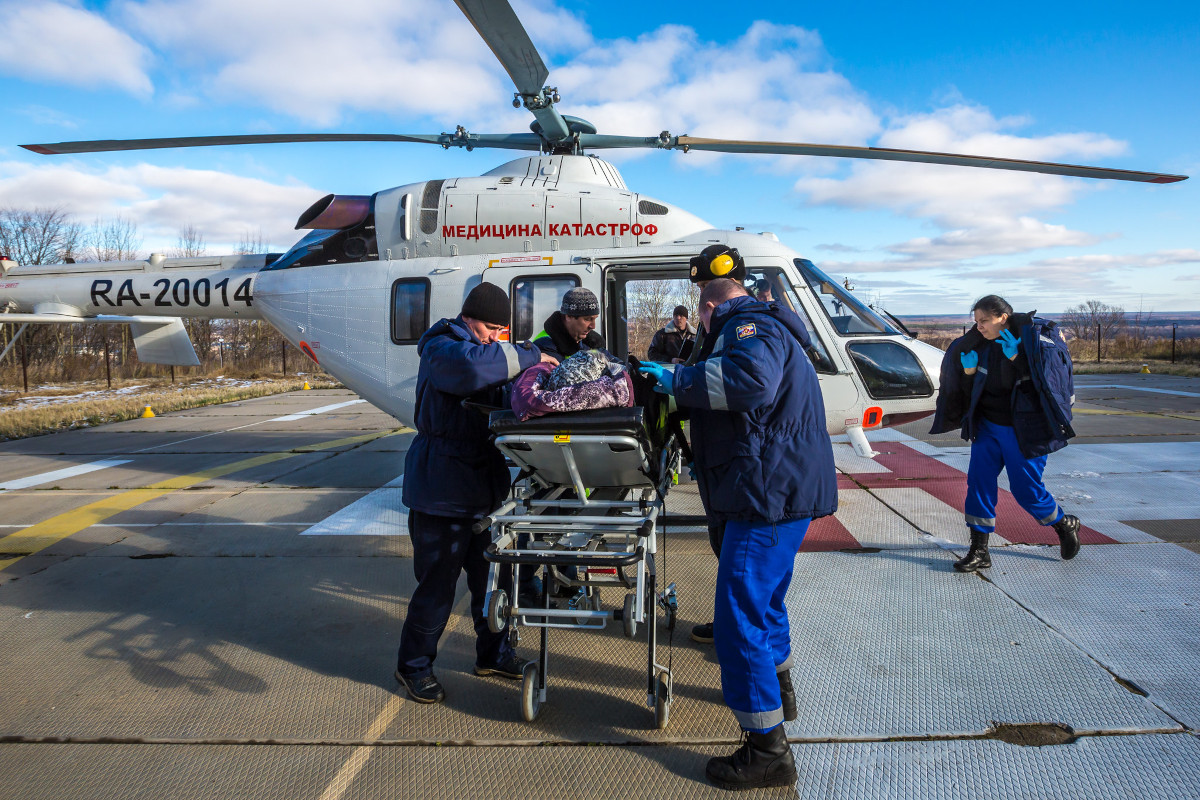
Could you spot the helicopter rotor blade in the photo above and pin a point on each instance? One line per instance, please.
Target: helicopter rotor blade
(918, 156)
(461, 138)
(499, 26)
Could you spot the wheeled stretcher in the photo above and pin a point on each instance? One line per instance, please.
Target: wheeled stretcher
(587, 511)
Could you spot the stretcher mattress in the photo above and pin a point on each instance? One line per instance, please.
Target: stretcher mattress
(608, 447)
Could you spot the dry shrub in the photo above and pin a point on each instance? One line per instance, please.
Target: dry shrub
(16, 423)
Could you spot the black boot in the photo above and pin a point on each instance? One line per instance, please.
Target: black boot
(977, 557)
(764, 759)
(787, 694)
(1067, 529)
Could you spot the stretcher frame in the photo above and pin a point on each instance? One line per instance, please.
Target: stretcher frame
(603, 533)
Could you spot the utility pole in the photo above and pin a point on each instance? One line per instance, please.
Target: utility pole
(107, 365)
(283, 354)
(1173, 327)
(1097, 344)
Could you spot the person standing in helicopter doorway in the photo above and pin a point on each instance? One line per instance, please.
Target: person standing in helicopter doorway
(1007, 384)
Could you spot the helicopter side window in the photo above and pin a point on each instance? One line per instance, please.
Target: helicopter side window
(850, 317)
(534, 300)
(889, 370)
(410, 310)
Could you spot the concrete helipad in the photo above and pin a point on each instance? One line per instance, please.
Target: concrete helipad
(206, 605)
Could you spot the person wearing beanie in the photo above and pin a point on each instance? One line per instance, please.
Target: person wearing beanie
(674, 341)
(453, 476)
(573, 327)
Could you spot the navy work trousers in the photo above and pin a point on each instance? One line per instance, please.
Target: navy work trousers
(750, 628)
(995, 448)
(442, 548)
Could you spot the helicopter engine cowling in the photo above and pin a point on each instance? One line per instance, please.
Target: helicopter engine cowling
(335, 212)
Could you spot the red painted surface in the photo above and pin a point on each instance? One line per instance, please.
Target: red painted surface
(913, 470)
(826, 534)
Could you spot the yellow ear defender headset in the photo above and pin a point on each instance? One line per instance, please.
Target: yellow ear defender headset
(717, 261)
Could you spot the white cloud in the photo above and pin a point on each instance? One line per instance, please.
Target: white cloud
(1160, 258)
(163, 201)
(374, 56)
(64, 43)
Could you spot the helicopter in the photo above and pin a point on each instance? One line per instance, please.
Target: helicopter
(372, 273)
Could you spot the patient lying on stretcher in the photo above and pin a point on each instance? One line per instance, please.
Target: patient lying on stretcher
(587, 380)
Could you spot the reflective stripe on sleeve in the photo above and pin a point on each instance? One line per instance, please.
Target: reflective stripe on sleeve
(513, 358)
(714, 378)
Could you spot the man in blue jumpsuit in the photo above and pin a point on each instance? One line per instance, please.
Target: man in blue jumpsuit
(765, 468)
(453, 475)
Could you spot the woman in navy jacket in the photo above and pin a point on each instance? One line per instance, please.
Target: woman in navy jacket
(1007, 384)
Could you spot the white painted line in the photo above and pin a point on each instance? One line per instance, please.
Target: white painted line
(60, 474)
(320, 410)
(381, 513)
(1175, 392)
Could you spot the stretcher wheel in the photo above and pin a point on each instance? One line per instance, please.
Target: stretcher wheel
(497, 611)
(627, 616)
(531, 702)
(662, 700)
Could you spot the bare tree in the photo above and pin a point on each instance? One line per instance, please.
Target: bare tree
(114, 239)
(1083, 319)
(190, 243)
(40, 236)
(252, 242)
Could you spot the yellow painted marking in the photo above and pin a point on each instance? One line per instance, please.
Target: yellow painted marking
(358, 759)
(35, 538)
(1117, 413)
(562, 438)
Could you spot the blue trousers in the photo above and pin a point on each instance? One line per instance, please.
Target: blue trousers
(442, 548)
(995, 448)
(750, 627)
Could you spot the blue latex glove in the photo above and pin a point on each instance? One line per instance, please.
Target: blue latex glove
(665, 380)
(969, 359)
(1008, 344)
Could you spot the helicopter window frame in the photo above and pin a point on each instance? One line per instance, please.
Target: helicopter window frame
(535, 278)
(817, 281)
(423, 309)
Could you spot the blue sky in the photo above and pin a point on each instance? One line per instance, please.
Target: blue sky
(1114, 84)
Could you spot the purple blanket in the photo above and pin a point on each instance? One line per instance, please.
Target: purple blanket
(529, 399)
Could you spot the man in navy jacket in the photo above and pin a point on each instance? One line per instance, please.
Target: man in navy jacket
(764, 466)
(453, 475)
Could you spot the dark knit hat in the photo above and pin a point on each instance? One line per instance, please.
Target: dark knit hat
(487, 302)
(680, 311)
(580, 302)
(717, 261)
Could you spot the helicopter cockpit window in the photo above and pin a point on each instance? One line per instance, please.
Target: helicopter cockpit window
(850, 317)
(410, 310)
(534, 300)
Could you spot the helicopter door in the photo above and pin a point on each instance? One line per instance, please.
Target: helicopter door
(536, 288)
